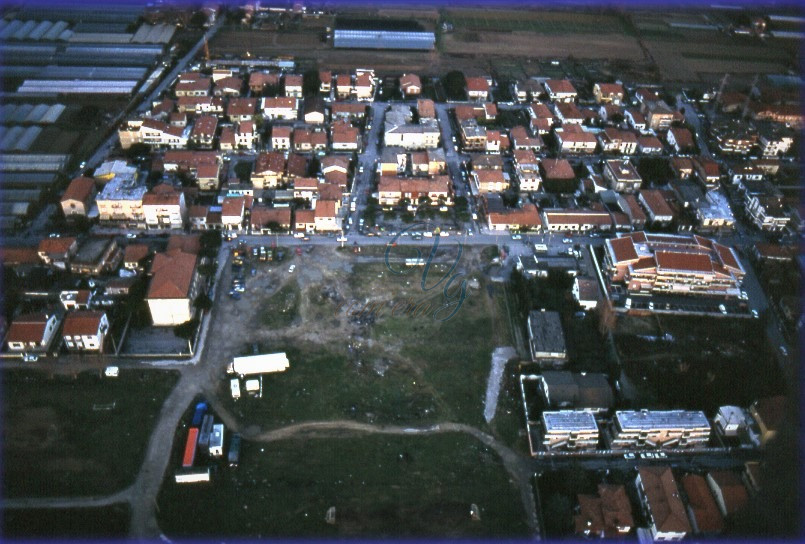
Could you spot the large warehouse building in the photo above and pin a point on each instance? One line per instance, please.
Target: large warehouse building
(383, 39)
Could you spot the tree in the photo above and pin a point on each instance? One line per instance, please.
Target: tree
(198, 19)
(203, 302)
(210, 239)
(424, 200)
(243, 170)
(617, 118)
(206, 269)
(274, 226)
(137, 150)
(310, 83)
(454, 84)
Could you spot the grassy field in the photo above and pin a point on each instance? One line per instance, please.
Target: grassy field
(381, 486)
(103, 522)
(689, 363)
(82, 436)
(282, 307)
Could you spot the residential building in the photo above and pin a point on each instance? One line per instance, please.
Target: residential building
(473, 136)
(489, 181)
(608, 93)
(57, 252)
(195, 87)
(635, 119)
(576, 220)
(605, 515)
(260, 81)
(280, 138)
(714, 213)
(241, 109)
(228, 86)
(576, 141)
(343, 86)
(267, 220)
(729, 492)
(347, 111)
(426, 108)
(393, 189)
(164, 208)
(345, 137)
(282, 107)
(672, 264)
(657, 208)
(135, 257)
(622, 176)
(659, 429)
(96, 256)
(293, 85)
(305, 221)
(85, 330)
(325, 216)
(707, 172)
(764, 205)
(76, 299)
(681, 139)
(731, 421)
(477, 88)
(268, 169)
(649, 145)
(560, 90)
(32, 332)
(768, 414)
(558, 175)
(571, 430)
(525, 218)
(314, 111)
(568, 113)
(246, 137)
(152, 132)
(364, 86)
(526, 168)
(121, 200)
(204, 129)
(410, 85)
(586, 292)
(734, 137)
(521, 140)
(614, 140)
(325, 81)
(233, 211)
(546, 340)
(659, 115)
(774, 140)
(702, 509)
(306, 188)
(660, 500)
(173, 287)
(78, 197)
(401, 132)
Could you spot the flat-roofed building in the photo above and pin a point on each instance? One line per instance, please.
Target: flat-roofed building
(545, 337)
(660, 429)
(569, 430)
(622, 176)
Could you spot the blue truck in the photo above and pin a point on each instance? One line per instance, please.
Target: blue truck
(201, 409)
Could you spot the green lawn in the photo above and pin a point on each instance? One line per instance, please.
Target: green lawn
(381, 486)
(82, 436)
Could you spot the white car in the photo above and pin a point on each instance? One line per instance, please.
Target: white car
(341, 239)
(650, 305)
(755, 314)
(291, 268)
(298, 234)
(30, 358)
(567, 241)
(444, 234)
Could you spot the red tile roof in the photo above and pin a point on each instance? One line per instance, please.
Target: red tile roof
(172, 275)
(188, 243)
(262, 216)
(623, 249)
(27, 328)
(56, 246)
(325, 208)
(688, 262)
(80, 189)
(241, 106)
(233, 207)
(560, 86)
(82, 323)
(477, 84)
(557, 169)
(732, 489)
(269, 162)
(527, 216)
(662, 496)
(11, 256)
(705, 511)
(135, 253)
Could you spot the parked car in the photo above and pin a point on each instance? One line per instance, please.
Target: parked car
(755, 314)
(30, 357)
(722, 309)
(291, 268)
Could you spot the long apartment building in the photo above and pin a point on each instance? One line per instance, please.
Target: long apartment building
(674, 264)
(569, 430)
(659, 429)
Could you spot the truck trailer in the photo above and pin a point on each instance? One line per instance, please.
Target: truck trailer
(190, 448)
(234, 450)
(258, 364)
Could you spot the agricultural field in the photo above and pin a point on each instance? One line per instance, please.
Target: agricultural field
(540, 22)
(380, 486)
(80, 435)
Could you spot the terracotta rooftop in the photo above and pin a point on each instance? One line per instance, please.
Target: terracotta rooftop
(527, 216)
(56, 246)
(80, 189)
(241, 106)
(557, 169)
(477, 84)
(27, 328)
(262, 216)
(172, 273)
(732, 490)
(233, 207)
(688, 262)
(623, 249)
(702, 504)
(135, 253)
(662, 496)
(269, 162)
(82, 323)
(188, 243)
(560, 86)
